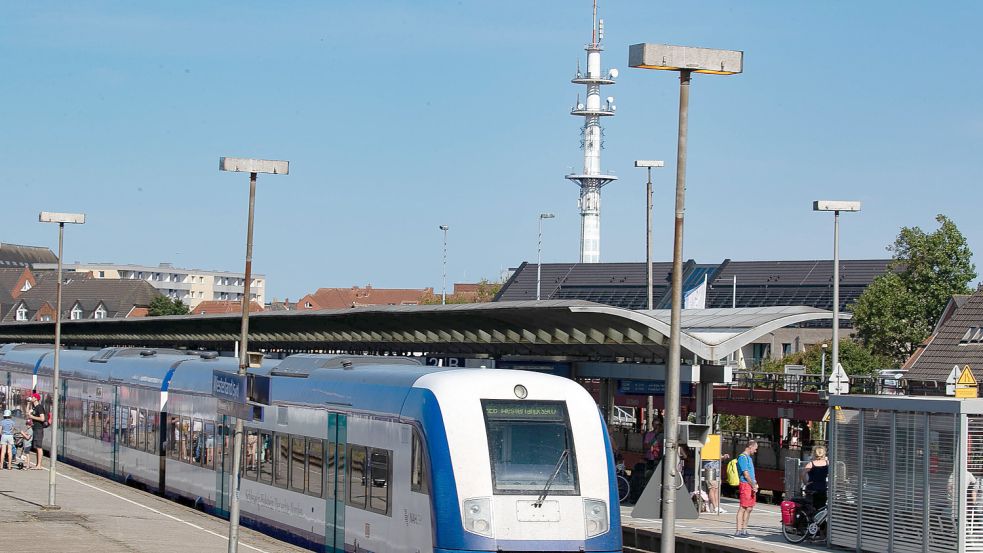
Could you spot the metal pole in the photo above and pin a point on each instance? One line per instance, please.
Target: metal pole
(733, 300)
(539, 262)
(54, 384)
(648, 238)
(669, 472)
(836, 292)
(243, 365)
(443, 282)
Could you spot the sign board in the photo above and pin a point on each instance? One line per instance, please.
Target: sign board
(950, 383)
(651, 388)
(839, 382)
(229, 387)
(966, 386)
(244, 411)
(711, 450)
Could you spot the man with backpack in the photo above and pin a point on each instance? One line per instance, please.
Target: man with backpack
(747, 488)
(39, 419)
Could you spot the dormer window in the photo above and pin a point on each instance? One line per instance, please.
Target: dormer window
(308, 305)
(21, 313)
(76, 313)
(26, 286)
(100, 312)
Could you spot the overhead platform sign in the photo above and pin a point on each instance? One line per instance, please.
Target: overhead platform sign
(966, 386)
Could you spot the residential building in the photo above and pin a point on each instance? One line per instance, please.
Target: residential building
(83, 297)
(342, 298)
(15, 255)
(957, 341)
(211, 307)
(191, 286)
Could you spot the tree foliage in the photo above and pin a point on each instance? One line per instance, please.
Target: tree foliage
(485, 293)
(857, 359)
(898, 310)
(162, 305)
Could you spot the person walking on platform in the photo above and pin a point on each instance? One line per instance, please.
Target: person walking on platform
(6, 441)
(38, 417)
(747, 489)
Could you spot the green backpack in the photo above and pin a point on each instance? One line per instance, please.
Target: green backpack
(733, 477)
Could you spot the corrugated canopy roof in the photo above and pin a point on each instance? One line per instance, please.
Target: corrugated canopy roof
(555, 328)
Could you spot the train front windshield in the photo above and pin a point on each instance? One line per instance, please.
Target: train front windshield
(529, 442)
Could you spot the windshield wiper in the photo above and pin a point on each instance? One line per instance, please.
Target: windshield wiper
(556, 470)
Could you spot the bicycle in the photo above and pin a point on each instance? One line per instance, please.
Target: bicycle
(801, 520)
(624, 486)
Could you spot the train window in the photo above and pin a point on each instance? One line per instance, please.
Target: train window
(208, 454)
(106, 422)
(418, 472)
(266, 458)
(196, 444)
(85, 418)
(297, 468)
(356, 476)
(379, 481)
(132, 426)
(184, 446)
(251, 452)
(330, 469)
(315, 466)
(227, 438)
(123, 414)
(174, 436)
(140, 430)
(153, 420)
(282, 460)
(529, 442)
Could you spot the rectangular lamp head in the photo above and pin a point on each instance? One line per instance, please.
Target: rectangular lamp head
(246, 165)
(52, 217)
(835, 205)
(681, 58)
(649, 163)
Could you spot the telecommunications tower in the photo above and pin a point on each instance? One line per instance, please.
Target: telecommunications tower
(591, 179)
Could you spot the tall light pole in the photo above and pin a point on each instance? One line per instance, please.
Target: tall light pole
(836, 207)
(61, 219)
(251, 166)
(648, 164)
(443, 278)
(539, 262)
(686, 60)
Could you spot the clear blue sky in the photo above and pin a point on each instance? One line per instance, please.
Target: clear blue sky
(401, 116)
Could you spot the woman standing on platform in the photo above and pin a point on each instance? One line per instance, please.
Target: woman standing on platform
(815, 475)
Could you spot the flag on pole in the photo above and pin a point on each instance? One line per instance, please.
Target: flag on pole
(696, 298)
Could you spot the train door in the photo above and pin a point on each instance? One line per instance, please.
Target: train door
(334, 462)
(223, 470)
(114, 435)
(63, 417)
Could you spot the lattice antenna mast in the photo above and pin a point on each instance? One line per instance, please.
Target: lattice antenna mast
(591, 179)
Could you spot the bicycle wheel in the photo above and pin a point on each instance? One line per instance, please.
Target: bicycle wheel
(624, 488)
(795, 533)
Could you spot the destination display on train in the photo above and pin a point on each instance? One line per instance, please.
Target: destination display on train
(524, 410)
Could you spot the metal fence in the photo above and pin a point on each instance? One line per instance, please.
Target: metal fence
(906, 475)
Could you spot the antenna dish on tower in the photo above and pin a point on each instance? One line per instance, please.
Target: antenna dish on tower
(613, 73)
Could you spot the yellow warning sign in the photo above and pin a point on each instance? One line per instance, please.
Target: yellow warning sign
(966, 385)
(966, 377)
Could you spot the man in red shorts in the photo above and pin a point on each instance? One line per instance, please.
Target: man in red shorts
(747, 489)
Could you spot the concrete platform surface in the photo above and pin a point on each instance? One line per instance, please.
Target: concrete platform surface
(103, 516)
(717, 531)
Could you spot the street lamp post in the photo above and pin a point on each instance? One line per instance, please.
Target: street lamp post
(61, 219)
(443, 278)
(685, 60)
(539, 262)
(251, 166)
(648, 164)
(836, 207)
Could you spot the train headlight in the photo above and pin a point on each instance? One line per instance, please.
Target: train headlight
(595, 517)
(478, 516)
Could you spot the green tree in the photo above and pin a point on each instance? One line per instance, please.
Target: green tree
(856, 359)
(162, 305)
(899, 309)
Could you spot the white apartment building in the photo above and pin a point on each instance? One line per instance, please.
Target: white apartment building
(188, 285)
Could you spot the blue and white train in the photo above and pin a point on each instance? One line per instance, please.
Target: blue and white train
(352, 454)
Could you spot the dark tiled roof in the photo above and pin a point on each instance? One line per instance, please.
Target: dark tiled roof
(118, 296)
(759, 283)
(14, 255)
(944, 350)
(9, 277)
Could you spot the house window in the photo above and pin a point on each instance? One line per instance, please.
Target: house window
(76, 313)
(26, 287)
(308, 305)
(22, 313)
(102, 274)
(100, 313)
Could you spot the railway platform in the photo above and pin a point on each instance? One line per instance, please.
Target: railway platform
(714, 533)
(101, 515)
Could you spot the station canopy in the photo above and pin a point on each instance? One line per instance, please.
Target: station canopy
(567, 328)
